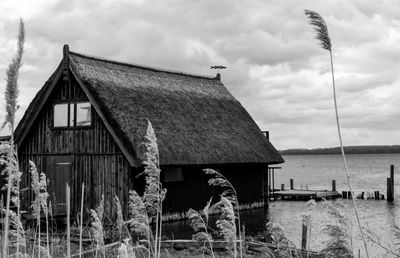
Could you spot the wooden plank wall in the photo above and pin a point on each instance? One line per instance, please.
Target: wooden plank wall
(247, 180)
(96, 158)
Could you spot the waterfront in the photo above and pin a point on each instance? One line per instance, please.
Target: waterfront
(368, 173)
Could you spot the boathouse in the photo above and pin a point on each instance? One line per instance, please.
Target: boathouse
(86, 123)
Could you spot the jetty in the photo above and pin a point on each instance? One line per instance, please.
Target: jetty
(305, 195)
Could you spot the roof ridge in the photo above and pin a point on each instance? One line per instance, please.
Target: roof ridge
(143, 66)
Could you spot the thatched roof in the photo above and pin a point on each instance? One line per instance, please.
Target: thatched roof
(195, 118)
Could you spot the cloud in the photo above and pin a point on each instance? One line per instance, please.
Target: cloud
(275, 67)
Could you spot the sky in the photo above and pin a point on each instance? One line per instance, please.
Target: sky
(275, 67)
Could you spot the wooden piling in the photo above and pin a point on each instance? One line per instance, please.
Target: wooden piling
(390, 185)
(291, 184)
(333, 185)
(304, 235)
(282, 187)
(344, 194)
(389, 190)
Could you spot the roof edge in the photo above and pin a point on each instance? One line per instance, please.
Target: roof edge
(118, 140)
(41, 96)
(149, 68)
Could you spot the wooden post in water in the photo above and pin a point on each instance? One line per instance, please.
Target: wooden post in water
(344, 194)
(304, 235)
(390, 185)
(291, 184)
(333, 185)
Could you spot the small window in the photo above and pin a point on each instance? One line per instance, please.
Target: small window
(83, 116)
(61, 115)
(75, 114)
(71, 114)
(173, 174)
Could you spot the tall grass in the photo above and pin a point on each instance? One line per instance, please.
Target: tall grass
(284, 247)
(307, 218)
(154, 194)
(226, 223)
(39, 203)
(120, 218)
(11, 96)
(200, 226)
(231, 195)
(338, 244)
(322, 35)
(97, 226)
(138, 221)
(81, 219)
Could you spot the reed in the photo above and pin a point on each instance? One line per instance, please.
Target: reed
(200, 226)
(154, 194)
(322, 35)
(230, 194)
(138, 220)
(97, 226)
(226, 223)
(81, 220)
(120, 218)
(39, 203)
(284, 247)
(337, 229)
(68, 196)
(307, 218)
(11, 96)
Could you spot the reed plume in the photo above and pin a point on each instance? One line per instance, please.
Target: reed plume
(39, 203)
(138, 221)
(226, 222)
(322, 35)
(125, 250)
(120, 218)
(230, 194)
(200, 226)
(307, 219)
(338, 245)
(11, 96)
(11, 93)
(97, 226)
(284, 247)
(154, 194)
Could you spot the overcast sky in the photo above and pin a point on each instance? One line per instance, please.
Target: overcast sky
(275, 67)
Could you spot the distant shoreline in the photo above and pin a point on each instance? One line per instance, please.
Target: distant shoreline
(371, 149)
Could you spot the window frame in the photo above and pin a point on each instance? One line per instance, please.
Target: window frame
(69, 126)
(53, 115)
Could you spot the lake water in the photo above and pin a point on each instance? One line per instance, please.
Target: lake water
(368, 173)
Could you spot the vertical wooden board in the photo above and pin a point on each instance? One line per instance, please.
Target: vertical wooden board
(121, 181)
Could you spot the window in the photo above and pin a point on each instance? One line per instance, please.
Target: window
(83, 114)
(75, 114)
(61, 115)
